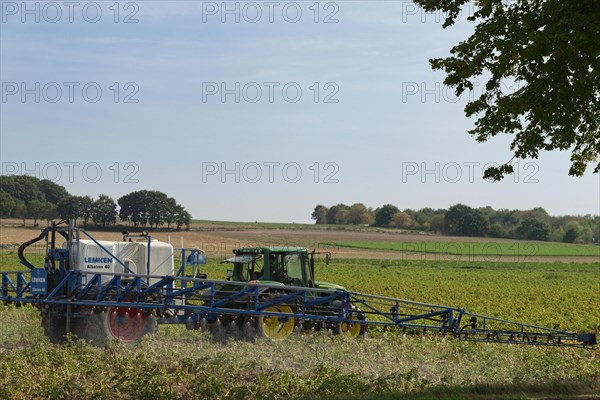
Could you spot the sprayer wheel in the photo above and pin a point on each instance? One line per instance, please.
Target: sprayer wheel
(128, 325)
(353, 330)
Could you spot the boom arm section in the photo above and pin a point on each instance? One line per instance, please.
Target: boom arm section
(461, 324)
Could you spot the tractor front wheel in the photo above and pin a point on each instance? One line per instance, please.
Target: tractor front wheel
(276, 328)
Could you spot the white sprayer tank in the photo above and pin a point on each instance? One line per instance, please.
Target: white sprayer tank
(89, 257)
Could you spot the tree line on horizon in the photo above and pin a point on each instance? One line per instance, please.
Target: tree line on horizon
(462, 220)
(26, 197)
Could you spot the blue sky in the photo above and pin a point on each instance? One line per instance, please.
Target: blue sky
(355, 115)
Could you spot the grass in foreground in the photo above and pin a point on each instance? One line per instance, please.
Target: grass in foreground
(178, 364)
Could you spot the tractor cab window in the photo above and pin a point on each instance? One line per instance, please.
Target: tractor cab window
(294, 266)
(276, 264)
(247, 267)
(291, 269)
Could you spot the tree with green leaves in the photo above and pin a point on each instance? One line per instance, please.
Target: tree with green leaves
(7, 204)
(68, 208)
(464, 220)
(320, 214)
(337, 214)
(420, 219)
(22, 187)
(570, 235)
(86, 205)
(595, 227)
(20, 211)
(131, 208)
(497, 231)
(454, 219)
(74, 207)
(383, 215)
(359, 214)
(170, 214)
(53, 192)
(437, 223)
(104, 210)
(586, 235)
(342, 216)
(533, 228)
(401, 220)
(157, 207)
(152, 207)
(475, 224)
(36, 210)
(50, 212)
(507, 219)
(550, 51)
(182, 217)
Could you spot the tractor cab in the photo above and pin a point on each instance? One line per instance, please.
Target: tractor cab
(290, 266)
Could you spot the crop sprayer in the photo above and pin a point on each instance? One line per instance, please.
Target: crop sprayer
(100, 290)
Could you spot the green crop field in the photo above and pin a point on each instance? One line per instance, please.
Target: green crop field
(490, 250)
(177, 363)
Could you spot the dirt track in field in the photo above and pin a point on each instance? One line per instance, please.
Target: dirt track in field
(219, 242)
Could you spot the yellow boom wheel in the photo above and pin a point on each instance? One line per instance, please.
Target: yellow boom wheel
(355, 328)
(351, 330)
(276, 328)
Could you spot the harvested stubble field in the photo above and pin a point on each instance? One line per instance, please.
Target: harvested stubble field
(175, 363)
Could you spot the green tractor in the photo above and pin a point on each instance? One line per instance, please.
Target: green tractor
(283, 267)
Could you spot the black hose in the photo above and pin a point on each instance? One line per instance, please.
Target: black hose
(28, 243)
